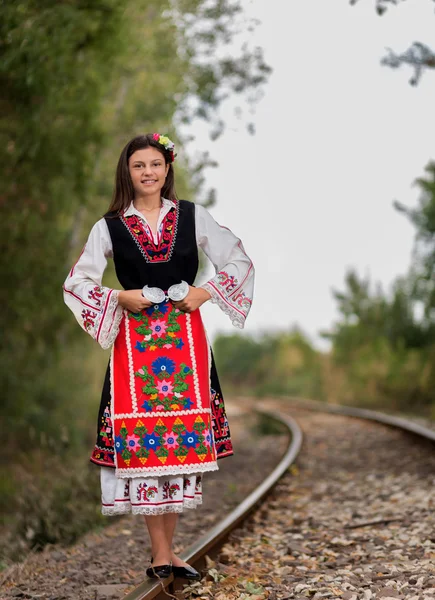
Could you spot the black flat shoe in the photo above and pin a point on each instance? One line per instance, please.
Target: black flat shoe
(159, 572)
(186, 573)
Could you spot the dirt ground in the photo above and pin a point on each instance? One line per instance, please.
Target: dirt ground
(353, 519)
(107, 563)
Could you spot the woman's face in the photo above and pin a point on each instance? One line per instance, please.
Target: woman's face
(148, 171)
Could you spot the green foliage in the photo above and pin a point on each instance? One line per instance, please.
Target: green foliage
(368, 314)
(383, 344)
(54, 64)
(381, 349)
(48, 508)
(78, 80)
(216, 71)
(277, 364)
(238, 357)
(423, 218)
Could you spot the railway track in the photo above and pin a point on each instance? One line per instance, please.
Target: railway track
(210, 543)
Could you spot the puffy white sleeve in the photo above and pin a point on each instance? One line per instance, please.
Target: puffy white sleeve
(233, 285)
(94, 306)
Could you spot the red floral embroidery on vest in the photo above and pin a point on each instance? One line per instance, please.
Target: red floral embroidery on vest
(152, 252)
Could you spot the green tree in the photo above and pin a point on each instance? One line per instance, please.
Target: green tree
(281, 363)
(384, 342)
(423, 218)
(78, 80)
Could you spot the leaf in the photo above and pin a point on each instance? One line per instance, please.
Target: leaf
(181, 387)
(253, 588)
(143, 330)
(136, 317)
(215, 575)
(149, 389)
(209, 562)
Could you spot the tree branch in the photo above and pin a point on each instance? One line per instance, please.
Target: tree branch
(382, 5)
(419, 56)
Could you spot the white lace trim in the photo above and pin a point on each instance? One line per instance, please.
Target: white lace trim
(157, 510)
(124, 509)
(236, 318)
(120, 509)
(192, 502)
(166, 470)
(111, 321)
(163, 413)
(151, 510)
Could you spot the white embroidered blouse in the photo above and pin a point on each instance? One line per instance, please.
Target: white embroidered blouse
(96, 307)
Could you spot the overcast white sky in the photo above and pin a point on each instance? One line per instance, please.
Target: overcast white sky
(338, 138)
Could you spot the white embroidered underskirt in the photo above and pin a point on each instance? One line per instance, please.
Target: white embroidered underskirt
(149, 495)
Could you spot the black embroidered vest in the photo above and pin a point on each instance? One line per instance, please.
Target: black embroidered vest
(138, 261)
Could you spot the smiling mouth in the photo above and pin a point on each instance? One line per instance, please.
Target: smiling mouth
(149, 181)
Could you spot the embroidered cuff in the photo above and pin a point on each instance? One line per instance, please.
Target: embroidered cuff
(102, 322)
(111, 321)
(231, 307)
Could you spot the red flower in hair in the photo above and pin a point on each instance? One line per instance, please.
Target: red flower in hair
(167, 144)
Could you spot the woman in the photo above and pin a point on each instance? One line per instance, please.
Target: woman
(162, 421)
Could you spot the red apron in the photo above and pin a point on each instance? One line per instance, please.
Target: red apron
(160, 391)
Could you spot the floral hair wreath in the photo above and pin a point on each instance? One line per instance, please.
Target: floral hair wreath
(166, 143)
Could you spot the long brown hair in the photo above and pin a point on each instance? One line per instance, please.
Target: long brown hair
(123, 192)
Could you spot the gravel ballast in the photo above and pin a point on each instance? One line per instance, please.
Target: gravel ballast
(353, 519)
(109, 563)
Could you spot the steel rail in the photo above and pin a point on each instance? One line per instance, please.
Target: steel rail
(362, 413)
(210, 543)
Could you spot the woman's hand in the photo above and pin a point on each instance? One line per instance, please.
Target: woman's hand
(194, 299)
(133, 300)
